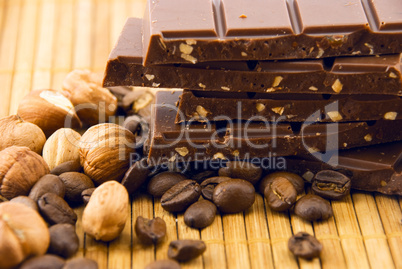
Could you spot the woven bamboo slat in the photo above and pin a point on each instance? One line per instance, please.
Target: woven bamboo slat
(42, 40)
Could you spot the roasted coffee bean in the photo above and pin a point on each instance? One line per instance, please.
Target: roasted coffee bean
(208, 186)
(304, 245)
(26, 201)
(160, 183)
(181, 196)
(293, 178)
(55, 210)
(150, 231)
(201, 214)
(70, 166)
(47, 261)
(331, 184)
(312, 207)
(64, 241)
(234, 195)
(86, 195)
(240, 169)
(81, 263)
(136, 175)
(75, 184)
(47, 183)
(280, 194)
(185, 250)
(163, 264)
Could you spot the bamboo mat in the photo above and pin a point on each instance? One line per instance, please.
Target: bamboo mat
(42, 40)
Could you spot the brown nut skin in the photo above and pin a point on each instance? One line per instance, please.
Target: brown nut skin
(293, 178)
(150, 231)
(304, 245)
(280, 194)
(62, 146)
(17, 132)
(185, 250)
(23, 233)
(234, 196)
(64, 241)
(47, 261)
(105, 152)
(84, 88)
(47, 183)
(81, 263)
(312, 207)
(106, 213)
(48, 109)
(243, 170)
(201, 214)
(20, 169)
(75, 184)
(25, 200)
(161, 182)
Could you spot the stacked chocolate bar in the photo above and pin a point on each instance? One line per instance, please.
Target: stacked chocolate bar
(266, 78)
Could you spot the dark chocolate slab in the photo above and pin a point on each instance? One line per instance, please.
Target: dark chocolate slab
(207, 106)
(374, 168)
(182, 31)
(347, 75)
(200, 141)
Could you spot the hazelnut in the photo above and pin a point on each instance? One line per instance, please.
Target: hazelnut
(23, 233)
(105, 152)
(94, 104)
(107, 211)
(62, 146)
(16, 132)
(20, 169)
(48, 109)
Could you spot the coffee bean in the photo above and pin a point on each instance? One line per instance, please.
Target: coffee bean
(134, 123)
(86, 195)
(55, 210)
(47, 184)
(181, 196)
(81, 263)
(331, 184)
(160, 183)
(312, 207)
(293, 178)
(201, 214)
(25, 200)
(208, 186)
(47, 261)
(280, 194)
(185, 250)
(243, 170)
(304, 245)
(64, 241)
(75, 184)
(136, 175)
(234, 195)
(150, 231)
(70, 166)
(163, 264)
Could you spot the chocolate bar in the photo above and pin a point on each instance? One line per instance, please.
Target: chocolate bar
(346, 75)
(182, 31)
(237, 139)
(207, 106)
(375, 168)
